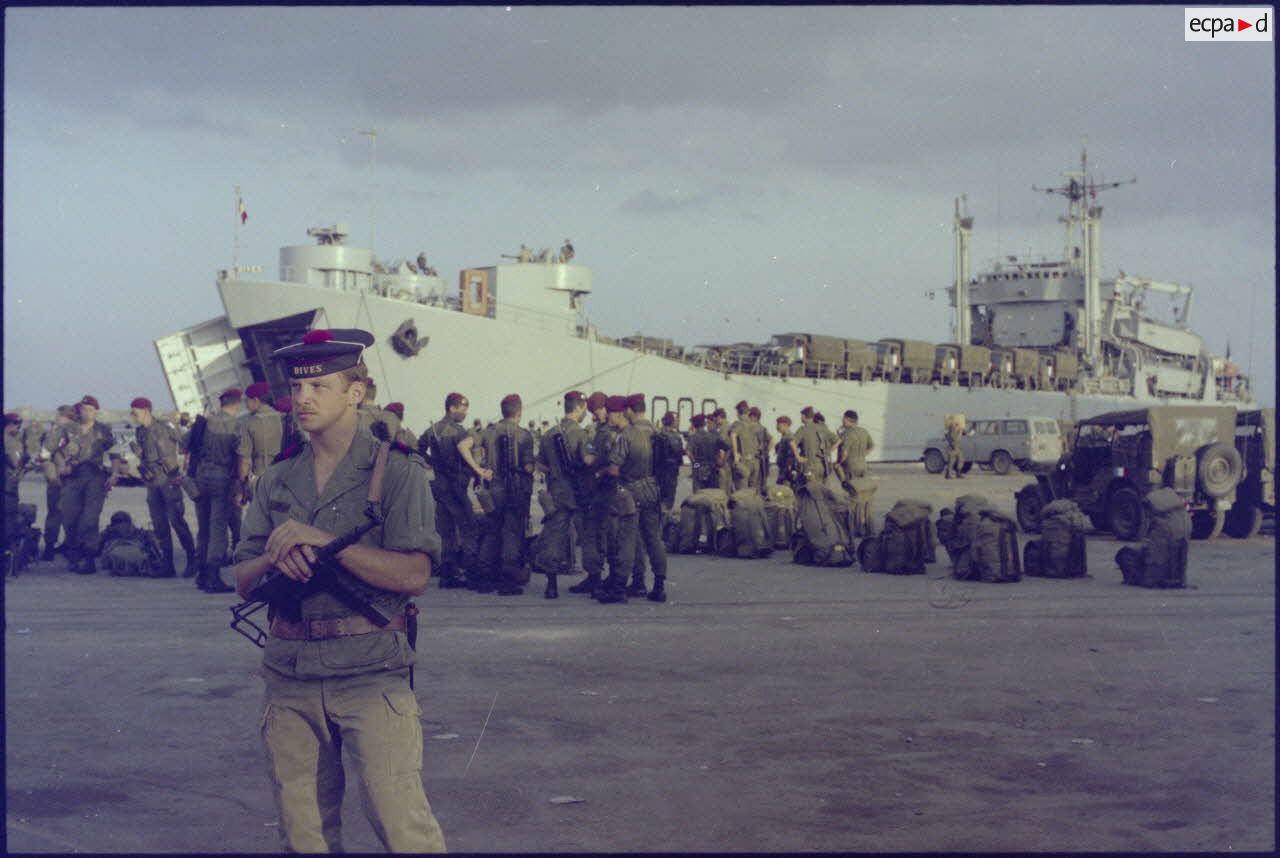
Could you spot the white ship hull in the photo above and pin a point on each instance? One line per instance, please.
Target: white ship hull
(487, 358)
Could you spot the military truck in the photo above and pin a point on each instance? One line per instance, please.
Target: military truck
(1256, 494)
(1119, 456)
(905, 360)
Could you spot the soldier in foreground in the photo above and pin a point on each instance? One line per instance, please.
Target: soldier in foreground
(596, 510)
(337, 685)
(160, 466)
(441, 446)
(746, 450)
(621, 519)
(78, 457)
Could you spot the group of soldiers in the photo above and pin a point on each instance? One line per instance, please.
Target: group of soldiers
(215, 459)
(610, 484)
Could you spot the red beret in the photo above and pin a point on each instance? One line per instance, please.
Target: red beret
(577, 393)
(258, 390)
(12, 417)
(231, 394)
(88, 400)
(754, 412)
(454, 399)
(141, 402)
(785, 419)
(719, 412)
(284, 405)
(596, 400)
(807, 411)
(668, 418)
(636, 402)
(513, 398)
(819, 418)
(396, 408)
(615, 404)
(66, 410)
(698, 420)
(742, 405)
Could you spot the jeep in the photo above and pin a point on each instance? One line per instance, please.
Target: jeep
(1118, 457)
(1256, 442)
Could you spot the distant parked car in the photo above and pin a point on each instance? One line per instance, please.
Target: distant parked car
(1000, 444)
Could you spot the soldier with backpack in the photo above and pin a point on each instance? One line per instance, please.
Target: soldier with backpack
(509, 450)
(563, 456)
(668, 456)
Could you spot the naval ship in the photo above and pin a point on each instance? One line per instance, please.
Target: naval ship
(1044, 337)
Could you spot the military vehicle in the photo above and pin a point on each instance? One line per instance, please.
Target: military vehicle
(1256, 494)
(1111, 344)
(1120, 456)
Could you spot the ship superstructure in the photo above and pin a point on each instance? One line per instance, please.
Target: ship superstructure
(1043, 337)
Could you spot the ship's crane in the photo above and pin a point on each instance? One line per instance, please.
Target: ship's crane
(1139, 285)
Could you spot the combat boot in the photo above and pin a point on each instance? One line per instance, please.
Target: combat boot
(637, 587)
(587, 585)
(613, 591)
(659, 591)
(86, 565)
(213, 582)
(192, 567)
(552, 591)
(47, 554)
(166, 569)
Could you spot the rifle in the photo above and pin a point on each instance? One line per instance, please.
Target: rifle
(283, 593)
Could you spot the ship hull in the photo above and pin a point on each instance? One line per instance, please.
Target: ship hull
(486, 359)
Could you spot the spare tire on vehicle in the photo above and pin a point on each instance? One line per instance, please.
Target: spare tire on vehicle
(1219, 469)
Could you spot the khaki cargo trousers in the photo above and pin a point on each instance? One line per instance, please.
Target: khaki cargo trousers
(308, 726)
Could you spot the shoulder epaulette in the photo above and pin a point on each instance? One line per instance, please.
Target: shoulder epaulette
(288, 453)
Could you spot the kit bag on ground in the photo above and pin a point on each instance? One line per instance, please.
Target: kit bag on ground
(995, 553)
(822, 539)
(1162, 560)
(780, 514)
(704, 516)
(905, 545)
(128, 551)
(748, 527)
(957, 531)
(671, 530)
(1060, 550)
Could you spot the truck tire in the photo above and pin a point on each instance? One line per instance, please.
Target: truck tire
(934, 461)
(1126, 515)
(1001, 462)
(1243, 522)
(1207, 524)
(1219, 469)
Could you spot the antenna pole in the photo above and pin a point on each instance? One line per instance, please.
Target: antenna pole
(235, 247)
(372, 134)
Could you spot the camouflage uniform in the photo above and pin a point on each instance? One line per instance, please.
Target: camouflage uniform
(502, 544)
(620, 523)
(455, 518)
(566, 485)
(668, 469)
(855, 443)
(214, 508)
(955, 458)
(84, 488)
(633, 452)
(702, 450)
(344, 696)
(161, 469)
(746, 465)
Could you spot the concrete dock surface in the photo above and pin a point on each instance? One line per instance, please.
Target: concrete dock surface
(766, 707)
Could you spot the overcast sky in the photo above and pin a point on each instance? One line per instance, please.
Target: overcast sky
(726, 172)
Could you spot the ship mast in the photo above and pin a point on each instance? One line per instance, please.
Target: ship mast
(1081, 191)
(962, 226)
